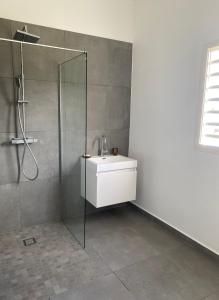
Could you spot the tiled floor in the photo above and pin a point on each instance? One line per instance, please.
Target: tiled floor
(127, 256)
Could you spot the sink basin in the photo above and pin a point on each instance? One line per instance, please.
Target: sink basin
(110, 163)
(109, 179)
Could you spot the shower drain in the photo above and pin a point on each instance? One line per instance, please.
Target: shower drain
(29, 241)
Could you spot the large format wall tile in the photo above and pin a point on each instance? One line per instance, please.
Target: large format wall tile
(39, 201)
(96, 107)
(93, 141)
(8, 160)
(120, 63)
(6, 69)
(72, 203)
(42, 109)
(41, 63)
(9, 207)
(116, 138)
(108, 103)
(73, 147)
(73, 69)
(46, 152)
(5, 28)
(118, 108)
(5, 49)
(108, 107)
(7, 106)
(73, 99)
(97, 55)
(109, 61)
(120, 139)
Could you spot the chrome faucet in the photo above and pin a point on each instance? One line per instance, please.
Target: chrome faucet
(103, 146)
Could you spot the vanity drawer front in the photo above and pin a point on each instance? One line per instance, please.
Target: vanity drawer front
(116, 187)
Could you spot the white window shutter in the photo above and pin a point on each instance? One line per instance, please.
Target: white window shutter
(210, 114)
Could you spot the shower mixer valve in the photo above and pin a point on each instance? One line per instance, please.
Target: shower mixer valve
(20, 141)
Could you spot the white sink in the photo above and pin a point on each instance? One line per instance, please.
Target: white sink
(110, 163)
(109, 179)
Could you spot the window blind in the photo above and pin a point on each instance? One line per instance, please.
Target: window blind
(210, 113)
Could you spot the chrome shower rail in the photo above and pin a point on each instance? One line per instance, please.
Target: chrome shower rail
(43, 45)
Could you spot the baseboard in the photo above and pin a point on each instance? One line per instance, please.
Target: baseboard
(185, 236)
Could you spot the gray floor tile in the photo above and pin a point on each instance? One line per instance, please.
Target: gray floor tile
(56, 263)
(158, 236)
(120, 248)
(167, 287)
(140, 274)
(157, 278)
(106, 288)
(120, 240)
(201, 269)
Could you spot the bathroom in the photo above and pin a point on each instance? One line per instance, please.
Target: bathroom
(76, 88)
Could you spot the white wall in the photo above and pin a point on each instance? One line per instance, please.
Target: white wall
(177, 182)
(110, 19)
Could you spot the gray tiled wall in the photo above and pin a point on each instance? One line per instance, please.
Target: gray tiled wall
(109, 80)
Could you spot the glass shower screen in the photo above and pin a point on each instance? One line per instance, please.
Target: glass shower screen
(73, 133)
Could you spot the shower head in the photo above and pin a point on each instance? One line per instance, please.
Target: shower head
(24, 36)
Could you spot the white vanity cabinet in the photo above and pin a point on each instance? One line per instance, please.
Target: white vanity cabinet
(109, 180)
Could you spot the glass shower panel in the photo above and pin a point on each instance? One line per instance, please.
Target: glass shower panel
(73, 123)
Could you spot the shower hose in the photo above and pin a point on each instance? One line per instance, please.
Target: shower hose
(22, 122)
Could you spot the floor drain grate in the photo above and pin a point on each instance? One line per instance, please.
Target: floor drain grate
(29, 241)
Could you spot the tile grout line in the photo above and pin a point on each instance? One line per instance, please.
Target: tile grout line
(112, 272)
(123, 283)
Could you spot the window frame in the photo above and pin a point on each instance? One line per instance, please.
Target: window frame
(205, 59)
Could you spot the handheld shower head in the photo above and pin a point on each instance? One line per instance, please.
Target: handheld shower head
(24, 36)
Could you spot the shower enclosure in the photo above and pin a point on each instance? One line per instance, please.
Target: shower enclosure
(47, 85)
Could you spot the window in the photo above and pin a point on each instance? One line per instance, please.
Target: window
(210, 113)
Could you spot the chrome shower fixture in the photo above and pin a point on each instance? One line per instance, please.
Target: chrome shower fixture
(24, 36)
(24, 140)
